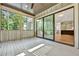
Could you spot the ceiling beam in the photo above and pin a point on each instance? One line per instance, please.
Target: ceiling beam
(19, 9)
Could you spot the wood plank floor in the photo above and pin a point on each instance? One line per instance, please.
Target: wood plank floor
(68, 39)
(12, 48)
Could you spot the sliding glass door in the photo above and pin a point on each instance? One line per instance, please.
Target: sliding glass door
(48, 27)
(39, 27)
(44, 27)
(64, 27)
(61, 30)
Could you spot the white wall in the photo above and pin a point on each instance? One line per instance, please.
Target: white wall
(76, 25)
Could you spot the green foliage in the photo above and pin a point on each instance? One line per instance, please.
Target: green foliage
(13, 21)
(3, 21)
(10, 21)
(16, 21)
(0, 18)
(48, 25)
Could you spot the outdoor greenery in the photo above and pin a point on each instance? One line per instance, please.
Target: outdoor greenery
(48, 27)
(40, 24)
(0, 18)
(12, 21)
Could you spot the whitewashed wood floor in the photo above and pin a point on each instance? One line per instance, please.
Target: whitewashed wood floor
(12, 48)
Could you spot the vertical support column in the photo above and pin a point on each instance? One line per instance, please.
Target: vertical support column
(0, 24)
(76, 31)
(34, 28)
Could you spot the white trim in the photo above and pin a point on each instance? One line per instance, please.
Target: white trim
(76, 26)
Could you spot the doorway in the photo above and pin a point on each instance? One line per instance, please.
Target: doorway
(44, 27)
(64, 26)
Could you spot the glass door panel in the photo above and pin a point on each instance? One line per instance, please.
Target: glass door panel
(64, 28)
(48, 27)
(39, 27)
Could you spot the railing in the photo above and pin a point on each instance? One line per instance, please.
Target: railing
(15, 35)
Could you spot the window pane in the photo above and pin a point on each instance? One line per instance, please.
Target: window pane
(4, 20)
(40, 27)
(48, 27)
(15, 21)
(10, 21)
(28, 23)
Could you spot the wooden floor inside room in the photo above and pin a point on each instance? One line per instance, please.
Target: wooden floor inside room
(68, 39)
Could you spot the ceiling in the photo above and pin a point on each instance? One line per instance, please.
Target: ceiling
(23, 6)
(33, 8)
(66, 15)
(39, 7)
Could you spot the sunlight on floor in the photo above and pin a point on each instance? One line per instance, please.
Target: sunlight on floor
(36, 47)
